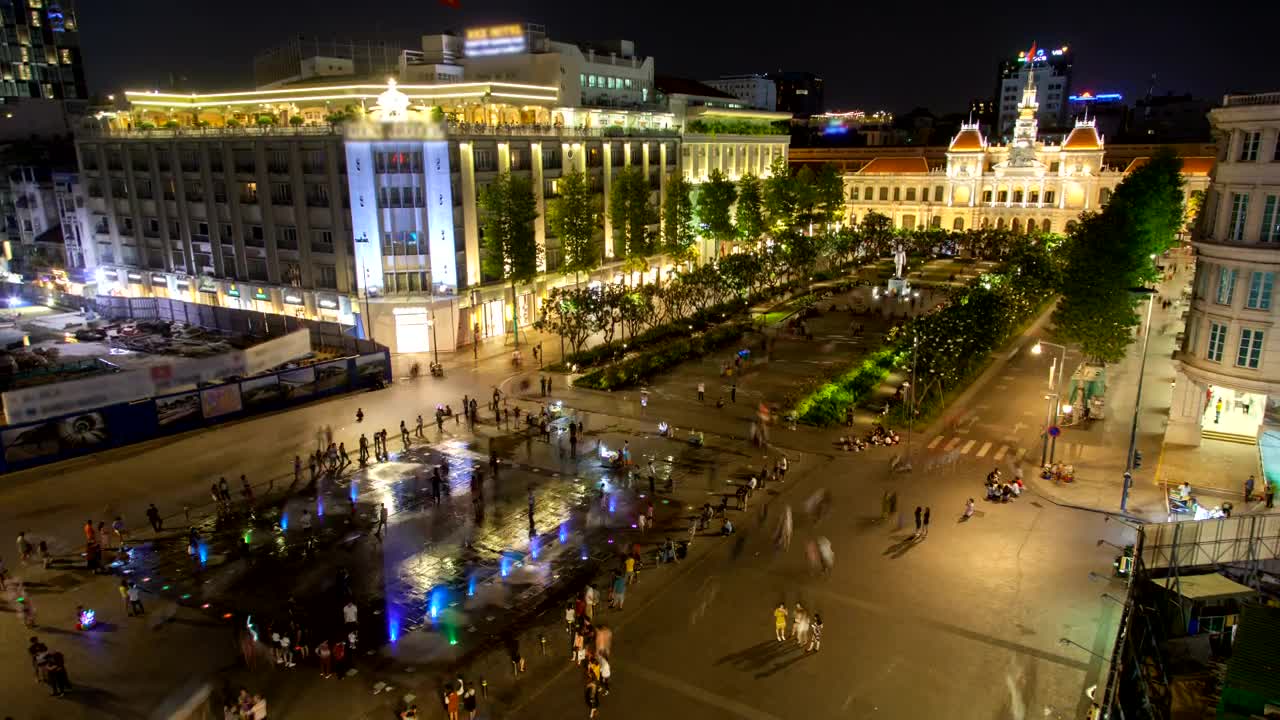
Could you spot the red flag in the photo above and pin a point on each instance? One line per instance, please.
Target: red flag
(450, 3)
(1031, 54)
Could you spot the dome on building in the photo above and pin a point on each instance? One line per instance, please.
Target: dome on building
(1083, 137)
(969, 139)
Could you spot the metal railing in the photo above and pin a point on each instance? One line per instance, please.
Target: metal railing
(197, 132)
(453, 128)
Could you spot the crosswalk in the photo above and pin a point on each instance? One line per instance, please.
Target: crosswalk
(975, 448)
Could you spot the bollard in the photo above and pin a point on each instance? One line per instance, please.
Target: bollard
(484, 688)
(542, 643)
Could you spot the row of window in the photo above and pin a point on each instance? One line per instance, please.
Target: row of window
(401, 197)
(604, 81)
(869, 193)
(897, 194)
(317, 194)
(1251, 142)
(1248, 350)
(1238, 215)
(1259, 292)
(244, 160)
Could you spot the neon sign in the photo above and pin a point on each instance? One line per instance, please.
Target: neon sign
(1090, 97)
(1039, 55)
(494, 40)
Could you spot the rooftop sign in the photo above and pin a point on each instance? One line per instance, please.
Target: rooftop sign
(494, 40)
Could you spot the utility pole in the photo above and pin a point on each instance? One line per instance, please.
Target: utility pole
(1137, 401)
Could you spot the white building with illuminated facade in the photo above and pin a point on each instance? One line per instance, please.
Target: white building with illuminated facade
(1231, 344)
(266, 200)
(1027, 184)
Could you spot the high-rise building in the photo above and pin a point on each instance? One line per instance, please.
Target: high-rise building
(1106, 109)
(1170, 118)
(1227, 384)
(309, 58)
(361, 204)
(755, 91)
(41, 46)
(1052, 74)
(799, 93)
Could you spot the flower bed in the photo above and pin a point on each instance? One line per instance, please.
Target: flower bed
(638, 368)
(828, 404)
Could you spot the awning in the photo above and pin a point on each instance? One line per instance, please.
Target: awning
(1205, 587)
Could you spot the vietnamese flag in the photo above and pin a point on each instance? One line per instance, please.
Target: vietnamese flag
(450, 3)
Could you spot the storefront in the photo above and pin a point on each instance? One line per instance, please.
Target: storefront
(260, 300)
(494, 322)
(413, 329)
(295, 302)
(135, 284)
(159, 285)
(1233, 412)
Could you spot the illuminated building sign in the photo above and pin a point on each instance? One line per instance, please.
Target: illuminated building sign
(326, 302)
(1040, 55)
(182, 285)
(260, 294)
(134, 277)
(495, 40)
(293, 298)
(233, 290)
(1090, 97)
(159, 281)
(208, 284)
(110, 276)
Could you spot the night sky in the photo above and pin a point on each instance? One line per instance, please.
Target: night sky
(894, 55)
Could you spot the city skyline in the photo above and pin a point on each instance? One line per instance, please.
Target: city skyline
(1111, 53)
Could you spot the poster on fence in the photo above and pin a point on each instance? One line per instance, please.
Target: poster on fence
(45, 401)
(259, 391)
(274, 353)
(177, 408)
(331, 375)
(221, 400)
(74, 433)
(298, 383)
(369, 367)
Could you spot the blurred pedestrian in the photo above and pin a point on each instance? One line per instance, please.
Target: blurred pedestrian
(919, 514)
(780, 622)
(926, 522)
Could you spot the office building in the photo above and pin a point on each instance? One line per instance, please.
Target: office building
(1170, 118)
(1107, 110)
(1051, 69)
(1231, 346)
(1028, 184)
(754, 91)
(799, 93)
(41, 40)
(357, 200)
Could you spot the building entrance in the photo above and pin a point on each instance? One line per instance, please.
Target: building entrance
(1233, 412)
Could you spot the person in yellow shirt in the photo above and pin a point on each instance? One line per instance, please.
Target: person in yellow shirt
(631, 569)
(780, 622)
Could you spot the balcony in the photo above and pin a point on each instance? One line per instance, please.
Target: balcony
(211, 132)
(1271, 98)
(555, 131)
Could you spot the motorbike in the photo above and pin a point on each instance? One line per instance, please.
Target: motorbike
(437, 370)
(1178, 506)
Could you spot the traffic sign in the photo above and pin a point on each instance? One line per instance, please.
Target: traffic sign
(1054, 431)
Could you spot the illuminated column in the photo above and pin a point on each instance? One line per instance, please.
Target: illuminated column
(606, 174)
(540, 223)
(1040, 197)
(504, 157)
(662, 174)
(470, 228)
(644, 157)
(626, 154)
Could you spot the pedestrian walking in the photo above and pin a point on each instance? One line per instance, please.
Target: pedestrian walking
(24, 547)
(926, 522)
(1269, 493)
(1248, 489)
(702, 391)
(593, 699)
(733, 393)
(968, 510)
(404, 435)
(780, 622)
(153, 517)
(325, 654)
(799, 625)
(619, 591)
(418, 431)
(919, 513)
(469, 703)
(36, 650)
(382, 520)
(815, 634)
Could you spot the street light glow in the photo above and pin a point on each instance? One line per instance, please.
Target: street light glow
(1035, 349)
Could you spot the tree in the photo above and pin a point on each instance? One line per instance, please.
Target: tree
(750, 213)
(572, 218)
(715, 208)
(572, 314)
(828, 194)
(877, 233)
(1195, 202)
(1108, 254)
(631, 214)
(511, 247)
(741, 272)
(801, 251)
(781, 202)
(677, 220)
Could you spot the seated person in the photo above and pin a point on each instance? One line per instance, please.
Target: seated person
(727, 527)
(1184, 491)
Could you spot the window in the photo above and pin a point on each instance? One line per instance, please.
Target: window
(1002, 196)
(286, 237)
(194, 191)
(897, 194)
(190, 160)
(143, 188)
(870, 194)
(582, 79)
(249, 193)
(957, 224)
(255, 238)
(1270, 230)
(278, 161)
(937, 193)
(219, 191)
(1048, 197)
(257, 269)
(911, 194)
(313, 161)
(936, 221)
(1226, 285)
(1217, 338)
(1017, 196)
(243, 161)
(1250, 351)
(281, 193)
(485, 159)
(1239, 212)
(1260, 284)
(227, 235)
(1033, 196)
(317, 195)
(550, 158)
(986, 196)
(322, 241)
(326, 276)
(1104, 196)
(1249, 146)
(853, 193)
(884, 194)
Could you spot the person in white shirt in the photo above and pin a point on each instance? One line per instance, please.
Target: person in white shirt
(1184, 491)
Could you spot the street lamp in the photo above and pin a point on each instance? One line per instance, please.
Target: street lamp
(1051, 416)
(1137, 400)
(368, 317)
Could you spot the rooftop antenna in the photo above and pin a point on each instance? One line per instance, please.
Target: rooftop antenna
(1151, 89)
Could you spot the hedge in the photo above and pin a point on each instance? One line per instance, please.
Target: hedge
(829, 403)
(697, 322)
(642, 366)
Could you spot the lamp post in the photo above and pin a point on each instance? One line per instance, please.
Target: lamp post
(1137, 400)
(1051, 416)
(435, 346)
